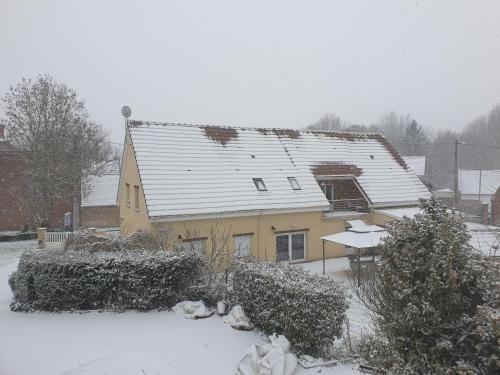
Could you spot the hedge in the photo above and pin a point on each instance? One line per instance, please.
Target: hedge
(118, 281)
(308, 309)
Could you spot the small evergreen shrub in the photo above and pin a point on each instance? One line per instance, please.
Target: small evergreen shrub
(306, 308)
(71, 280)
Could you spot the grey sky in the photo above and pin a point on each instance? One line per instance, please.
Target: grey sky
(261, 63)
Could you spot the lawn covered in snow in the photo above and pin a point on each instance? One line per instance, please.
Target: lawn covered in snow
(117, 343)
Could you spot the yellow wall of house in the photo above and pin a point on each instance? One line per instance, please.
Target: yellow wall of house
(131, 219)
(264, 229)
(380, 219)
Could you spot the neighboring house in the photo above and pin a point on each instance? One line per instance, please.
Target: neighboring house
(14, 204)
(416, 164)
(478, 185)
(99, 205)
(273, 193)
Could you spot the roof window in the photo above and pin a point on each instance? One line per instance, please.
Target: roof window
(294, 183)
(259, 184)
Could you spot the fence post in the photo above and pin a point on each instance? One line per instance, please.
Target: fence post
(42, 238)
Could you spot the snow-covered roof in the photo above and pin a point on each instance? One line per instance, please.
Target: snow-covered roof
(100, 190)
(399, 213)
(196, 170)
(416, 164)
(468, 181)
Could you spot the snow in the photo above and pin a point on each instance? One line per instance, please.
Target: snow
(10, 251)
(416, 164)
(360, 235)
(484, 238)
(174, 158)
(468, 181)
(101, 343)
(100, 190)
(399, 213)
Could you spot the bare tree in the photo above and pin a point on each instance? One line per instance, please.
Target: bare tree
(59, 144)
(329, 122)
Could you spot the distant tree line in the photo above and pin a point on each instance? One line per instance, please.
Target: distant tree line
(478, 148)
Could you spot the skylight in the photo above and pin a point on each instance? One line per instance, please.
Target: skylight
(259, 184)
(295, 184)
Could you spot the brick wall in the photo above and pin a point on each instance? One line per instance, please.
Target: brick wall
(14, 213)
(107, 216)
(495, 208)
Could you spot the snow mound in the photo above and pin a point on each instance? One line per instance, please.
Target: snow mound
(269, 359)
(126, 363)
(193, 310)
(238, 319)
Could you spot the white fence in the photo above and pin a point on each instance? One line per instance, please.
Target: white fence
(58, 236)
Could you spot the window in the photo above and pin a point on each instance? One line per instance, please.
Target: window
(290, 246)
(295, 184)
(259, 184)
(329, 191)
(243, 245)
(195, 245)
(127, 190)
(136, 197)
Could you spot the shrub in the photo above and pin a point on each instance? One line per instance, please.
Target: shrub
(307, 309)
(426, 294)
(69, 280)
(92, 243)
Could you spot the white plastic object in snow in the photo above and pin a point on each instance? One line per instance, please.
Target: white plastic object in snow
(193, 310)
(221, 308)
(238, 319)
(269, 359)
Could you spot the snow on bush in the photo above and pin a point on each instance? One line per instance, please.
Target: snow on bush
(307, 309)
(426, 296)
(81, 280)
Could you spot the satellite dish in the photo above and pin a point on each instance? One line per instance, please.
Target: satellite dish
(126, 111)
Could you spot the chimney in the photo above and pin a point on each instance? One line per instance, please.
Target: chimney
(2, 133)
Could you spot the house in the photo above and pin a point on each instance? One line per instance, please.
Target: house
(478, 185)
(270, 193)
(99, 200)
(416, 164)
(15, 212)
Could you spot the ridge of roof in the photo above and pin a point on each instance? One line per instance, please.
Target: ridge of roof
(138, 123)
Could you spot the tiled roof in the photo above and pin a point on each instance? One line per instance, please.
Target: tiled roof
(416, 164)
(468, 181)
(100, 190)
(193, 170)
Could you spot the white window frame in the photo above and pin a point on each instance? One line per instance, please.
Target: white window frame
(294, 183)
(323, 188)
(289, 234)
(238, 237)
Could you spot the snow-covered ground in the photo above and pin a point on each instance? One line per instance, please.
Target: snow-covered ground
(10, 251)
(118, 343)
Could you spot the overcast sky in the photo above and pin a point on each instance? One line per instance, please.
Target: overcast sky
(261, 63)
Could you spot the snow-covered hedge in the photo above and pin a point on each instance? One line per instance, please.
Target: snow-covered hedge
(71, 280)
(307, 309)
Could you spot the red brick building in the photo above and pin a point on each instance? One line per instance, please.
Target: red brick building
(495, 208)
(14, 210)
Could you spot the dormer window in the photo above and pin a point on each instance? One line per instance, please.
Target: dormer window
(294, 183)
(259, 184)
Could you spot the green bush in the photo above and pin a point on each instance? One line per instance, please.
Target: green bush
(308, 309)
(80, 280)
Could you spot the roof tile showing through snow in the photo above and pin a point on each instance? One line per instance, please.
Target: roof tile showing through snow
(196, 170)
